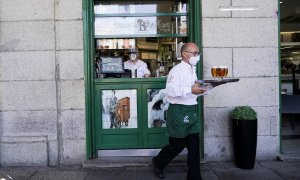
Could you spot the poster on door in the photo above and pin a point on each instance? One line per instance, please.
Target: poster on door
(119, 109)
(157, 108)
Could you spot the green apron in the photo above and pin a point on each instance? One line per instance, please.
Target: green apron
(182, 120)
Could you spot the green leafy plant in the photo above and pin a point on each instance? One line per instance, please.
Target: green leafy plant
(244, 113)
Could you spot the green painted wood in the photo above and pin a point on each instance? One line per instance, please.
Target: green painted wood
(130, 80)
(88, 74)
(141, 137)
(152, 137)
(198, 39)
(121, 138)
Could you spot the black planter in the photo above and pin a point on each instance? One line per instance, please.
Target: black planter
(244, 143)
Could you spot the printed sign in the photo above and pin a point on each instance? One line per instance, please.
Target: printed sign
(125, 25)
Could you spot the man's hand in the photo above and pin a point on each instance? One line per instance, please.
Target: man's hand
(196, 89)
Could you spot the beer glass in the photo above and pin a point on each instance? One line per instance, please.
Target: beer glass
(226, 71)
(223, 71)
(214, 71)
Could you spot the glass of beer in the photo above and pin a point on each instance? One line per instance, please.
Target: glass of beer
(223, 71)
(214, 71)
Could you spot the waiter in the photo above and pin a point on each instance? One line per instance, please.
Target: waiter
(183, 125)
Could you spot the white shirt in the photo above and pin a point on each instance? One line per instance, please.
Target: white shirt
(180, 80)
(139, 65)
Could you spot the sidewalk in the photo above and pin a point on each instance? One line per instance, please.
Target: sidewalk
(265, 170)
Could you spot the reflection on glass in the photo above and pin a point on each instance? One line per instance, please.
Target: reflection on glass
(157, 108)
(119, 109)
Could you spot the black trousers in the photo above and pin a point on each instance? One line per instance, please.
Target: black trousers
(175, 146)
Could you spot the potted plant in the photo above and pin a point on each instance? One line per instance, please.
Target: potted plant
(244, 119)
(244, 113)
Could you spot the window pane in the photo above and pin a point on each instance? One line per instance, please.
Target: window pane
(157, 108)
(140, 25)
(115, 7)
(119, 109)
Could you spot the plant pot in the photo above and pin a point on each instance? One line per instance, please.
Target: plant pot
(244, 142)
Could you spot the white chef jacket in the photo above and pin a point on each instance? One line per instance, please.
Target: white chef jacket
(180, 80)
(139, 65)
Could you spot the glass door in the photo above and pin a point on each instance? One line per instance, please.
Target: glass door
(290, 77)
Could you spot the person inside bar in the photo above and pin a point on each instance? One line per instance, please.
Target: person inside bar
(134, 63)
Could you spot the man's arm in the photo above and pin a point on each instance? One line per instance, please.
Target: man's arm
(197, 90)
(146, 71)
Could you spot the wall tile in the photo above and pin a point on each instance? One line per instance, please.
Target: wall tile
(64, 12)
(28, 95)
(71, 64)
(73, 151)
(247, 91)
(19, 10)
(28, 65)
(218, 149)
(217, 122)
(29, 123)
(240, 32)
(72, 94)
(23, 151)
(216, 57)
(266, 8)
(267, 147)
(210, 8)
(69, 35)
(249, 62)
(73, 124)
(27, 35)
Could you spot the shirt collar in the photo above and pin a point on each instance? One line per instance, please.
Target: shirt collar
(186, 65)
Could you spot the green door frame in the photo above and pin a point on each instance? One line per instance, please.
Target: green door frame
(194, 35)
(279, 79)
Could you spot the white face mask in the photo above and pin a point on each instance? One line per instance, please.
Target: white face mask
(132, 57)
(194, 60)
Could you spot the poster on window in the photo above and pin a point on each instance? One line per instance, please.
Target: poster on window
(119, 109)
(125, 25)
(157, 108)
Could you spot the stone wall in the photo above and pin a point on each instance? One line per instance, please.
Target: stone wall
(42, 101)
(247, 42)
(42, 107)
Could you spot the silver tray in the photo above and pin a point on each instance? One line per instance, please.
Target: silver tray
(217, 82)
(224, 80)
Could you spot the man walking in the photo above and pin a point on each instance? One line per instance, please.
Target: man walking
(183, 125)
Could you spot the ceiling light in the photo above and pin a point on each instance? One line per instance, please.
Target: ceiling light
(238, 8)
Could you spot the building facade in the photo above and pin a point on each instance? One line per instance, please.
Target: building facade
(43, 79)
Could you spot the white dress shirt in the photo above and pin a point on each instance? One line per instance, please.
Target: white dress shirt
(180, 80)
(139, 65)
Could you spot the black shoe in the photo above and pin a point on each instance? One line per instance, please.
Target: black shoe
(159, 173)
